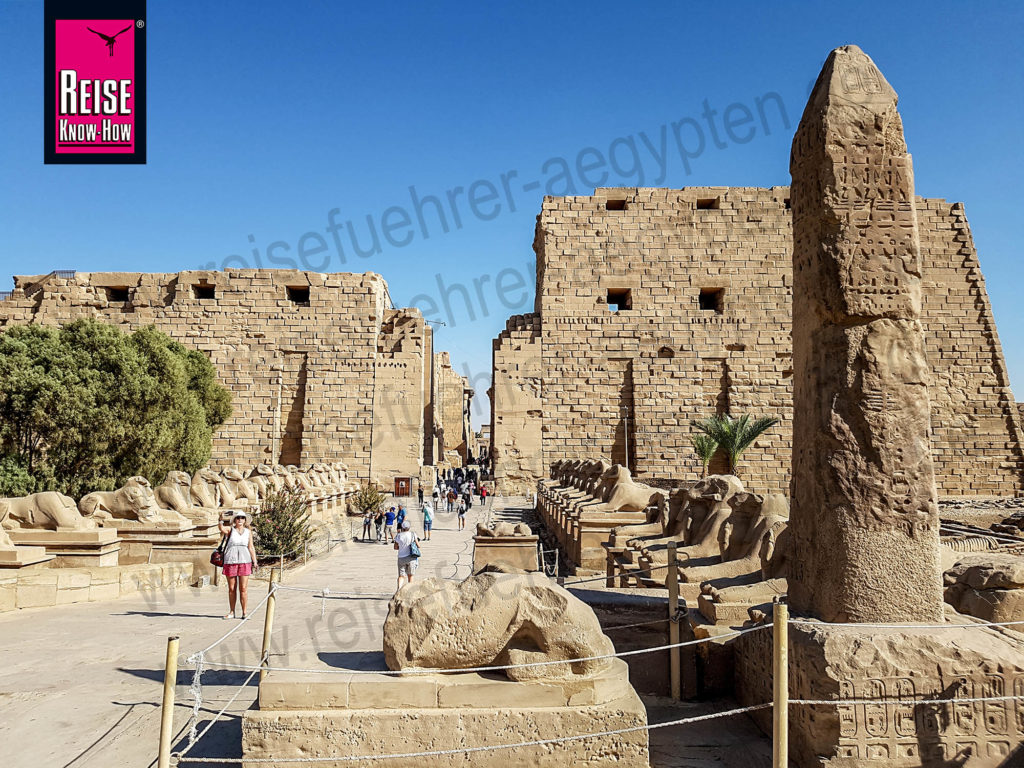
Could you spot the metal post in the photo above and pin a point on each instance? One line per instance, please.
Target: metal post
(305, 552)
(268, 627)
(167, 713)
(281, 579)
(673, 624)
(780, 676)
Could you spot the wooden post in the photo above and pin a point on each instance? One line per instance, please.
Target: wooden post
(268, 627)
(673, 625)
(167, 712)
(780, 677)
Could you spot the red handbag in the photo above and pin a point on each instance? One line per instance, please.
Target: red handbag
(217, 558)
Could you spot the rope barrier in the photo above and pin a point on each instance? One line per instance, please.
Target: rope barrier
(488, 748)
(629, 573)
(497, 667)
(193, 739)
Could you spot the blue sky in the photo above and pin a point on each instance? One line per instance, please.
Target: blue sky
(264, 117)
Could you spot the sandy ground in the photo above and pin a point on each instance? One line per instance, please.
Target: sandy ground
(80, 685)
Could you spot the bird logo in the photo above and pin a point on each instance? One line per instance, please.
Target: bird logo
(110, 40)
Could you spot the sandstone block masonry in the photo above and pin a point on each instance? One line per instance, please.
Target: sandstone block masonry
(453, 398)
(516, 406)
(320, 366)
(660, 306)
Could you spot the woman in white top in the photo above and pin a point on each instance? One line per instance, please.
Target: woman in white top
(407, 561)
(239, 560)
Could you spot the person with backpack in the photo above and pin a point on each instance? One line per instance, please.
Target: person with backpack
(428, 520)
(408, 555)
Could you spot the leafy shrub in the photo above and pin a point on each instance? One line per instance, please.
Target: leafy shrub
(369, 498)
(85, 406)
(282, 526)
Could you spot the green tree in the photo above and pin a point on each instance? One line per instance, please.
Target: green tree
(282, 527)
(369, 498)
(734, 435)
(85, 406)
(705, 446)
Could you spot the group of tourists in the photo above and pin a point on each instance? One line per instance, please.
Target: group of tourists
(386, 522)
(453, 491)
(456, 495)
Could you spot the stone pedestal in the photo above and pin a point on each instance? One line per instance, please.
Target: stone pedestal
(513, 551)
(330, 714)
(24, 557)
(873, 665)
(73, 548)
(591, 531)
(193, 550)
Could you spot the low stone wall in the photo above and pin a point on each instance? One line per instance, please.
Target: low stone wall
(44, 587)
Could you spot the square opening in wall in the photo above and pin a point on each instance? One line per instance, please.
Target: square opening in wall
(299, 295)
(117, 295)
(201, 291)
(619, 299)
(615, 205)
(711, 300)
(707, 203)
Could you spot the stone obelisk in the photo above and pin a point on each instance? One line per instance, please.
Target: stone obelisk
(864, 511)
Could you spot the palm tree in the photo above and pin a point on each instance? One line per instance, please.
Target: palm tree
(734, 435)
(705, 446)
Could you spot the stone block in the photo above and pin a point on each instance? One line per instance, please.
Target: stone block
(467, 710)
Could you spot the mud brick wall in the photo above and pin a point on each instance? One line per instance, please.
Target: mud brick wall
(702, 276)
(313, 361)
(516, 406)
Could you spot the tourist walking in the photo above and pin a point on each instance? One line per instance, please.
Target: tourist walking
(400, 517)
(462, 513)
(389, 525)
(483, 495)
(428, 520)
(419, 495)
(408, 554)
(451, 500)
(367, 522)
(239, 559)
(378, 521)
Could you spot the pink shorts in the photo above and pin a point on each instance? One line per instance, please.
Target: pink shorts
(238, 569)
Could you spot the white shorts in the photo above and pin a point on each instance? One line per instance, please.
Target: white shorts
(407, 565)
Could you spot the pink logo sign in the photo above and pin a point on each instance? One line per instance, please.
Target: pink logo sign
(95, 86)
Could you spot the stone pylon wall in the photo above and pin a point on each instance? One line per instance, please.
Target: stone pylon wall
(516, 406)
(307, 356)
(449, 410)
(627, 384)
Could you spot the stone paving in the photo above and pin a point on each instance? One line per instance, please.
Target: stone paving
(80, 685)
